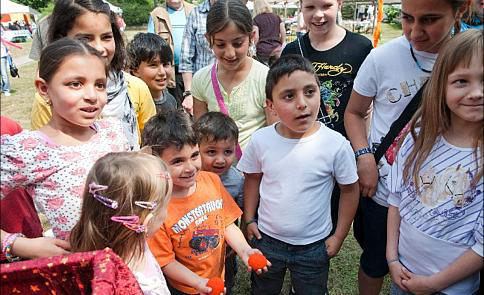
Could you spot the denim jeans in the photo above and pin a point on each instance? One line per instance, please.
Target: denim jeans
(308, 264)
(395, 290)
(5, 79)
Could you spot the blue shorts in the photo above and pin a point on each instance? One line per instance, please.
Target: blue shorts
(308, 264)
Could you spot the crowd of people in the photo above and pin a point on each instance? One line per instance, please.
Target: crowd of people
(183, 149)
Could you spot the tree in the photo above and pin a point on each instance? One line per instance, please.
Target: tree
(35, 4)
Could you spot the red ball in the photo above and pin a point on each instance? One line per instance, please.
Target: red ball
(217, 286)
(257, 261)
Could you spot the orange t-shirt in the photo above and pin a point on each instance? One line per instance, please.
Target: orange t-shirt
(194, 230)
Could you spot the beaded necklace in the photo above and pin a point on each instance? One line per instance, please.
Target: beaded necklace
(416, 61)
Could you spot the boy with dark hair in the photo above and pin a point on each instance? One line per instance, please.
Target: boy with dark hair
(150, 58)
(218, 136)
(190, 244)
(293, 166)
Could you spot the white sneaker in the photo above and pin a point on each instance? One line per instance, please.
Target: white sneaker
(7, 94)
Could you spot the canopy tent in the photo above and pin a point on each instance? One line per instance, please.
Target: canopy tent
(12, 11)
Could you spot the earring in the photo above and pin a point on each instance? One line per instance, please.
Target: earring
(49, 102)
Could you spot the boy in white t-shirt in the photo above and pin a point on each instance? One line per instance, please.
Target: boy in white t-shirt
(293, 165)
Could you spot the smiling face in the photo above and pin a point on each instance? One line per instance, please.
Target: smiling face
(95, 29)
(155, 74)
(296, 100)
(230, 47)
(217, 156)
(184, 165)
(464, 95)
(320, 15)
(427, 24)
(77, 90)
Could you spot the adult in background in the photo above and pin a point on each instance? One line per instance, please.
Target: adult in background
(270, 32)
(195, 52)
(168, 21)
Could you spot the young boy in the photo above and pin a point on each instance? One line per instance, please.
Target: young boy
(218, 136)
(201, 213)
(150, 58)
(293, 166)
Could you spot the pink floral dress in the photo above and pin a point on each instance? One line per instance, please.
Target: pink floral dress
(55, 174)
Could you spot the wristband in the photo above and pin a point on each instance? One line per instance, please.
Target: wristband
(7, 246)
(251, 221)
(391, 261)
(366, 150)
(186, 93)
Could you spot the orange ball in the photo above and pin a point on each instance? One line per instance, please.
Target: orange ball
(257, 261)
(217, 286)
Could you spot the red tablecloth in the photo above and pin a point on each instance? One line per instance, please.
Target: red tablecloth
(97, 272)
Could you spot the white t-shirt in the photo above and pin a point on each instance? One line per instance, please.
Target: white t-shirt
(446, 219)
(391, 76)
(298, 178)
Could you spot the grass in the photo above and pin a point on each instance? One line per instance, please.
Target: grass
(344, 267)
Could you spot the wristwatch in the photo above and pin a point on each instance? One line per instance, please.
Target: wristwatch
(186, 93)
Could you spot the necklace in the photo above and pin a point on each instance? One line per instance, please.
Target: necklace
(416, 61)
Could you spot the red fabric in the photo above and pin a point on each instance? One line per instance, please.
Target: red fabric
(97, 272)
(17, 210)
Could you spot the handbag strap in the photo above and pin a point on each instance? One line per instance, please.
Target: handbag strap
(398, 125)
(221, 103)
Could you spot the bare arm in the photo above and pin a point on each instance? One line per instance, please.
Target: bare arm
(187, 82)
(199, 108)
(355, 125)
(282, 32)
(393, 233)
(180, 273)
(37, 247)
(251, 200)
(348, 203)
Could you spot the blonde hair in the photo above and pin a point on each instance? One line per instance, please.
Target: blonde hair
(129, 177)
(261, 6)
(433, 116)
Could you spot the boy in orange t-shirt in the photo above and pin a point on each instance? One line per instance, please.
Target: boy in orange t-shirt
(190, 244)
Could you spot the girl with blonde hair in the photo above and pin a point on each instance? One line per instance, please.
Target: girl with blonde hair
(436, 195)
(124, 203)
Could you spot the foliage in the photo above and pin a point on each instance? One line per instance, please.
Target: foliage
(135, 12)
(392, 14)
(348, 11)
(35, 4)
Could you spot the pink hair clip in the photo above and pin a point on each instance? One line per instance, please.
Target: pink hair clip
(131, 222)
(146, 205)
(93, 190)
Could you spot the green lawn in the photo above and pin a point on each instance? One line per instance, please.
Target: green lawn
(344, 267)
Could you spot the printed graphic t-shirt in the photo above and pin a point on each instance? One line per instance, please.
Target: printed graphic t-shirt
(336, 69)
(193, 231)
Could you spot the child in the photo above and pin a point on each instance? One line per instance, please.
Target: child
(336, 55)
(53, 161)
(294, 221)
(125, 199)
(218, 136)
(435, 217)
(150, 59)
(388, 79)
(239, 80)
(129, 98)
(190, 244)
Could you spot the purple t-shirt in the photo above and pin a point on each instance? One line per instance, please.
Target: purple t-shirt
(269, 30)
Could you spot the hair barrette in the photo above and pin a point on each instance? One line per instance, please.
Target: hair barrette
(93, 190)
(146, 205)
(131, 222)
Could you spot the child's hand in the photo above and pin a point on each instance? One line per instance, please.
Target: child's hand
(367, 174)
(188, 104)
(333, 245)
(245, 258)
(397, 274)
(201, 287)
(253, 230)
(40, 247)
(417, 284)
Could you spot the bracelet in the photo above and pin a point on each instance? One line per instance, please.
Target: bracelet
(186, 93)
(366, 150)
(391, 261)
(7, 246)
(251, 221)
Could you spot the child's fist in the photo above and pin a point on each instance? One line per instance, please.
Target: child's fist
(217, 286)
(257, 261)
